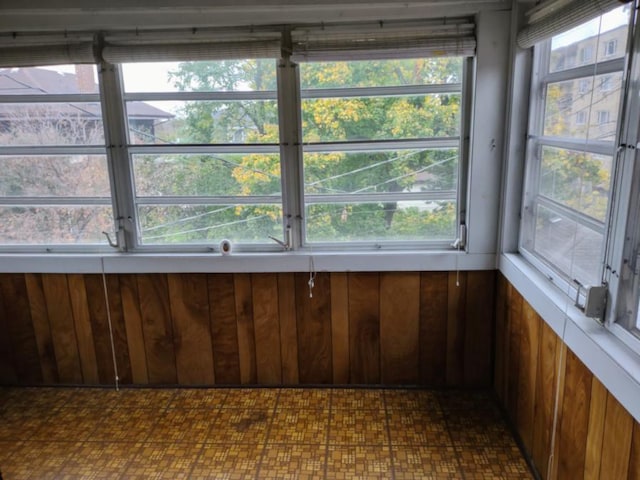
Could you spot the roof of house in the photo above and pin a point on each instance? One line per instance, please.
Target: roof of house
(40, 81)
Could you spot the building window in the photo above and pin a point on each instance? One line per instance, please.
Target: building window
(571, 159)
(54, 187)
(610, 48)
(382, 149)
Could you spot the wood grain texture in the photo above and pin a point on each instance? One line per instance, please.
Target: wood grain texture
(246, 335)
(84, 332)
(266, 322)
(478, 323)
(314, 329)
(528, 366)
(8, 375)
(399, 327)
(616, 441)
(456, 312)
(153, 291)
(189, 300)
(119, 329)
(63, 334)
(133, 326)
(514, 323)
(500, 377)
(364, 328)
(554, 460)
(597, 410)
(434, 288)
(634, 457)
(19, 328)
(41, 328)
(574, 424)
(224, 328)
(545, 395)
(288, 328)
(340, 327)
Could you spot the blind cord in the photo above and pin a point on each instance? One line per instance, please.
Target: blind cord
(113, 347)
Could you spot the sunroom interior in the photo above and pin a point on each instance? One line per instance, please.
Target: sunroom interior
(373, 216)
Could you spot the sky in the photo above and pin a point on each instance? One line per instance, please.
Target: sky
(611, 20)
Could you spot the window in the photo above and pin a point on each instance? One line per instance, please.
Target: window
(610, 47)
(54, 187)
(205, 153)
(571, 156)
(382, 149)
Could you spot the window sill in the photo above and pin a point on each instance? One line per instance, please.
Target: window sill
(615, 364)
(246, 262)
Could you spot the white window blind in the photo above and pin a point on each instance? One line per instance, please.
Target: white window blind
(60, 53)
(384, 40)
(557, 16)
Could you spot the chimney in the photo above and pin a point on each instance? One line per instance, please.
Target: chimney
(84, 79)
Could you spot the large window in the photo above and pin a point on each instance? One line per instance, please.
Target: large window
(572, 156)
(54, 185)
(381, 149)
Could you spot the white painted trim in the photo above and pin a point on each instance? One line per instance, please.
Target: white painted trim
(612, 362)
(246, 262)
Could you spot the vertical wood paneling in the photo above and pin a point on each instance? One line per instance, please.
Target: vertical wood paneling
(288, 328)
(597, 409)
(84, 332)
(545, 394)
(133, 326)
(500, 376)
(8, 375)
(246, 335)
(554, 461)
(574, 424)
(433, 327)
(224, 328)
(364, 328)
(41, 328)
(399, 327)
(189, 300)
(340, 327)
(119, 329)
(456, 311)
(616, 441)
(63, 334)
(314, 329)
(514, 320)
(156, 325)
(478, 328)
(634, 460)
(19, 328)
(266, 323)
(100, 327)
(528, 365)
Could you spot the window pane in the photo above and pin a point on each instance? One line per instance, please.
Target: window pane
(576, 109)
(51, 124)
(59, 79)
(160, 224)
(381, 73)
(42, 225)
(54, 176)
(392, 221)
(381, 171)
(380, 118)
(207, 174)
(214, 76)
(576, 179)
(582, 46)
(242, 121)
(569, 246)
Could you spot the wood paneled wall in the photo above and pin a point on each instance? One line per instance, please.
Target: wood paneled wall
(229, 329)
(595, 437)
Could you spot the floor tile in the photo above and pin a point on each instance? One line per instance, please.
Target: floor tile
(425, 462)
(18, 423)
(163, 461)
(126, 424)
(415, 427)
(70, 424)
(357, 399)
(251, 398)
(38, 460)
(293, 462)
(199, 398)
(228, 462)
(358, 462)
(495, 463)
(180, 425)
(136, 398)
(299, 426)
(241, 426)
(412, 400)
(474, 429)
(304, 398)
(358, 427)
(99, 460)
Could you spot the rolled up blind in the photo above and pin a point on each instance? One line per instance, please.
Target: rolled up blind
(563, 18)
(379, 41)
(35, 55)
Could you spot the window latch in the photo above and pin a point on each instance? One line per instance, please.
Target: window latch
(461, 241)
(595, 300)
(119, 241)
(286, 245)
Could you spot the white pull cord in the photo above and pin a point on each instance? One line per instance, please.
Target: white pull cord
(113, 347)
(312, 275)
